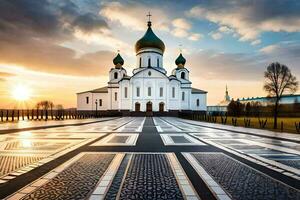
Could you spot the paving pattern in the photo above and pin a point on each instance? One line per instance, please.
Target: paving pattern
(147, 158)
(243, 182)
(76, 181)
(140, 183)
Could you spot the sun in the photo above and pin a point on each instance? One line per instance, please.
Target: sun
(21, 93)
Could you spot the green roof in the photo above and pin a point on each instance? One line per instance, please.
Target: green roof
(180, 60)
(118, 60)
(149, 40)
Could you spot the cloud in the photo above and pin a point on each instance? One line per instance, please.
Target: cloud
(225, 29)
(181, 29)
(181, 23)
(195, 36)
(133, 15)
(178, 32)
(4, 75)
(212, 65)
(249, 19)
(285, 50)
(269, 49)
(33, 37)
(256, 42)
(216, 36)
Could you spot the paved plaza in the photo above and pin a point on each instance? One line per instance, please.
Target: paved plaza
(146, 158)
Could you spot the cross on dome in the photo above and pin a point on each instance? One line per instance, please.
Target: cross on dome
(149, 16)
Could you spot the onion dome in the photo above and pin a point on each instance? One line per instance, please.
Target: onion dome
(149, 40)
(180, 61)
(118, 61)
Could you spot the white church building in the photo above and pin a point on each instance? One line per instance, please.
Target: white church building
(149, 89)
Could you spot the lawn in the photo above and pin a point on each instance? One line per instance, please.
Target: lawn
(288, 123)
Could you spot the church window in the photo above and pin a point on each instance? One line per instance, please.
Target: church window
(138, 92)
(116, 75)
(125, 92)
(149, 73)
(87, 100)
(198, 102)
(182, 75)
(149, 91)
(173, 92)
(161, 92)
(140, 64)
(149, 62)
(100, 102)
(183, 95)
(157, 62)
(116, 96)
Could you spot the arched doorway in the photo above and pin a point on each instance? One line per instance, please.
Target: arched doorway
(137, 107)
(161, 107)
(149, 106)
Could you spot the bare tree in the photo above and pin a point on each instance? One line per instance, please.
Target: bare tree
(279, 80)
(45, 104)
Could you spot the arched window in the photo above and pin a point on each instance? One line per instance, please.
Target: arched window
(116, 96)
(126, 92)
(182, 75)
(138, 92)
(161, 92)
(198, 102)
(173, 92)
(140, 64)
(183, 95)
(149, 91)
(157, 62)
(149, 62)
(116, 75)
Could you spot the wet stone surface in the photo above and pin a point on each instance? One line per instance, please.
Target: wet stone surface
(75, 182)
(242, 182)
(118, 139)
(150, 177)
(180, 139)
(290, 163)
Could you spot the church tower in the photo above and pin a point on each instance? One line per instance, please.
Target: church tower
(149, 50)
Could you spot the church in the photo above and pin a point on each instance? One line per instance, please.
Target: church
(149, 89)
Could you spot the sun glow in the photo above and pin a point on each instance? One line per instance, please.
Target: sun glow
(21, 93)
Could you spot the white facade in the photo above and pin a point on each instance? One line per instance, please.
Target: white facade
(149, 88)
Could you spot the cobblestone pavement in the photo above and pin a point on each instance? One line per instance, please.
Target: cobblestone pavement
(243, 182)
(150, 177)
(148, 158)
(76, 181)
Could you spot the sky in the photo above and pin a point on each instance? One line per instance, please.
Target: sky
(56, 48)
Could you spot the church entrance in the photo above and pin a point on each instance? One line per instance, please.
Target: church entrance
(137, 107)
(161, 107)
(149, 106)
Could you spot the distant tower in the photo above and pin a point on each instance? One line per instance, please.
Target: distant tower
(227, 97)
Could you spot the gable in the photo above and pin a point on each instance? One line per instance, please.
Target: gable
(149, 73)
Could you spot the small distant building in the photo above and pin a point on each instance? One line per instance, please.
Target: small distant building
(222, 106)
(285, 99)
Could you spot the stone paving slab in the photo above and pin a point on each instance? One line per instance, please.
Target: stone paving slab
(113, 176)
(241, 181)
(146, 162)
(72, 180)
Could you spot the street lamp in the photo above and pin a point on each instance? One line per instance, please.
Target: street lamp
(96, 107)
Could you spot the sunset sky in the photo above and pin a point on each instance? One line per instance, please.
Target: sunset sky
(56, 48)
